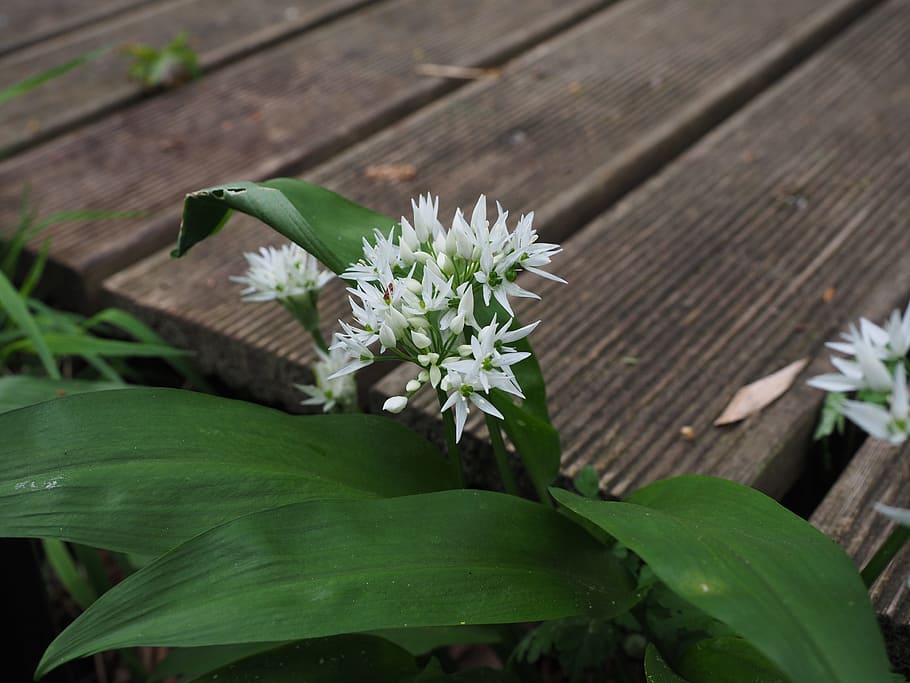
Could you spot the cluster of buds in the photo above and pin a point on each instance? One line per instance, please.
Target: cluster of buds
(413, 294)
(877, 371)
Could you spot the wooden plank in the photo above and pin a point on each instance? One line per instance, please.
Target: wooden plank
(878, 473)
(293, 104)
(219, 30)
(713, 274)
(585, 115)
(23, 22)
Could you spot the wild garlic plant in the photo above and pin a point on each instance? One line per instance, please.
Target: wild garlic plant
(349, 528)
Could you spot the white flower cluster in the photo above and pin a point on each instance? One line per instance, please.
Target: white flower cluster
(281, 274)
(878, 371)
(414, 294)
(329, 392)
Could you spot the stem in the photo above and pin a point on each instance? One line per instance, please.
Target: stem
(502, 458)
(319, 340)
(305, 309)
(448, 422)
(883, 556)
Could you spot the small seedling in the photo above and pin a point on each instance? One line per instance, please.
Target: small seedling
(169, 66)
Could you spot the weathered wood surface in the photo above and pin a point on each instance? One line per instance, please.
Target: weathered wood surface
(584, 116)
(219, 30)
(878, 473)
(23, 22)
(714, 274)
(290, 105)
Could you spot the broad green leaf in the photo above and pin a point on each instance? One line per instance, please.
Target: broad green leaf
(727, 660)
(141, 470)
(326, 224)
(657, 670)
(338, 659)
(18, 391)
(339, 566)
(536, 441)
(17, 310)
(63, 344)
(743, 559)
(191, 662)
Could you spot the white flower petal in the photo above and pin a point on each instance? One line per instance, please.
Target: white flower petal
(899, 515)
(871, 418)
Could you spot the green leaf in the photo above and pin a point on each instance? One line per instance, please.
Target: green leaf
(587, 482)
(832, 417)
(338, 659)
(727, 660)
(528, 423)
(135, 327)
(192, 662)
(657, 670)
(141, 470)
(338, 566)
(18, 391)
(326, 224)
(32, 82)
(62, 563)
(536, 441)
(63, 344)
(743, 559)
(17, 310)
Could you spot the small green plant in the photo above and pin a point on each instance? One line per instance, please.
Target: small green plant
(168, 66)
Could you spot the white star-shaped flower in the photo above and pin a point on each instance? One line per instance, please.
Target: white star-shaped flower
(279, 274)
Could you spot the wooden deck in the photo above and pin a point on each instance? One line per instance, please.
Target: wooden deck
(730, 182)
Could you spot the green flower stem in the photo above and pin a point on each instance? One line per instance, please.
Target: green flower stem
(305, 309)
(502, 458)
(448, 422)
(885, 553)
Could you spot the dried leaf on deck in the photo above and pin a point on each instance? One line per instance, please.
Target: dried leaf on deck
(753, 397)
(391, 172)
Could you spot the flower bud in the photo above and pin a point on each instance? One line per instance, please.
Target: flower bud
(421, 341)
(395, 404)
(457, 324)
(412, 386)
(387, 336)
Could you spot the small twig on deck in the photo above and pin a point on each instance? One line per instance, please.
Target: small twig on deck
(467, 73)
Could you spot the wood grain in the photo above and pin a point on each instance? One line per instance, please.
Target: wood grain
(595, 108)
(714, 274)
(878, 473)
(219, 31)
(24, 22)
(293, 104)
